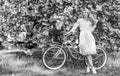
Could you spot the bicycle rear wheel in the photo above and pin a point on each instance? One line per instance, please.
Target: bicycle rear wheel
(100, 59)
(54, 58)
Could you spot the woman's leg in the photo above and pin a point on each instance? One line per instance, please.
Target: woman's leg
(88, 66)
(89, 57)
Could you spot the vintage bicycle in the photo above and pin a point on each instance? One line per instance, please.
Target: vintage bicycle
(56, 55)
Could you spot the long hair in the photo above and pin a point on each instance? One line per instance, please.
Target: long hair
(90, 17)
(91, 20)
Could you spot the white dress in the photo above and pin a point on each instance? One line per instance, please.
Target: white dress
(87, 40)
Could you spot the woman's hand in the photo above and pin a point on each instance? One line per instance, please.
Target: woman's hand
(68, 33)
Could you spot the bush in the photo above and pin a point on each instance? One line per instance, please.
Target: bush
(37, 16)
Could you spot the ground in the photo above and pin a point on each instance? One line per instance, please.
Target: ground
(12, 65)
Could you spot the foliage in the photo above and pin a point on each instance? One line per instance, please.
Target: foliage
(37, 16)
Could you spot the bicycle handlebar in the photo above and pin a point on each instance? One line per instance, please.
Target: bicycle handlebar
(65, 37)
(67, 34)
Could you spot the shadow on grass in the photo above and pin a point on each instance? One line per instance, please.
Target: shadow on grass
(23, 65)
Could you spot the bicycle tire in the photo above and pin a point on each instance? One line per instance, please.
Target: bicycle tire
(97, 60)
(47, 52)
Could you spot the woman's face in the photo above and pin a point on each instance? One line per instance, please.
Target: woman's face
(85, 14)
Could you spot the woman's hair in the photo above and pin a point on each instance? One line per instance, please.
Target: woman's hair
(89, 16)
(85, 10)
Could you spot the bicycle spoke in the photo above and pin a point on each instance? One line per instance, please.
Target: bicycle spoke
(99, 59)
(99, 56)
(53, 62)
(56, 54)
(58, 58)
(98, 63)
(54, 58)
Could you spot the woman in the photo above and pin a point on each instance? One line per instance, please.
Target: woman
(87, 41)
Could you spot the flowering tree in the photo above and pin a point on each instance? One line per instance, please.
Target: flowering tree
(36, 16)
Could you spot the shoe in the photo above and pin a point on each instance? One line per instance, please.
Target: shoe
(94, 71)
(28, 52)
(88, 69)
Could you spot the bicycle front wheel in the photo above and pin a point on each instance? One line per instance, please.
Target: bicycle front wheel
(54, 58)
(100, 59)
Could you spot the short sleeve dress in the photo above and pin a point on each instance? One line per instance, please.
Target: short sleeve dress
(87, 40)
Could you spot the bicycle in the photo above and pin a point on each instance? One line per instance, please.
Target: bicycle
(55, 56)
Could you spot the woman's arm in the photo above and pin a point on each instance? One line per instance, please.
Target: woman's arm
(94, 21)
(75, 26)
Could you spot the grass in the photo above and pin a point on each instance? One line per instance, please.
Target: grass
(32, 66)
(114, 60)
(28, 67)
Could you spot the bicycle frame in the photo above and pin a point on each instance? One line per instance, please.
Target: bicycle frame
(63, 51)
(69, 46)
(64, 45)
